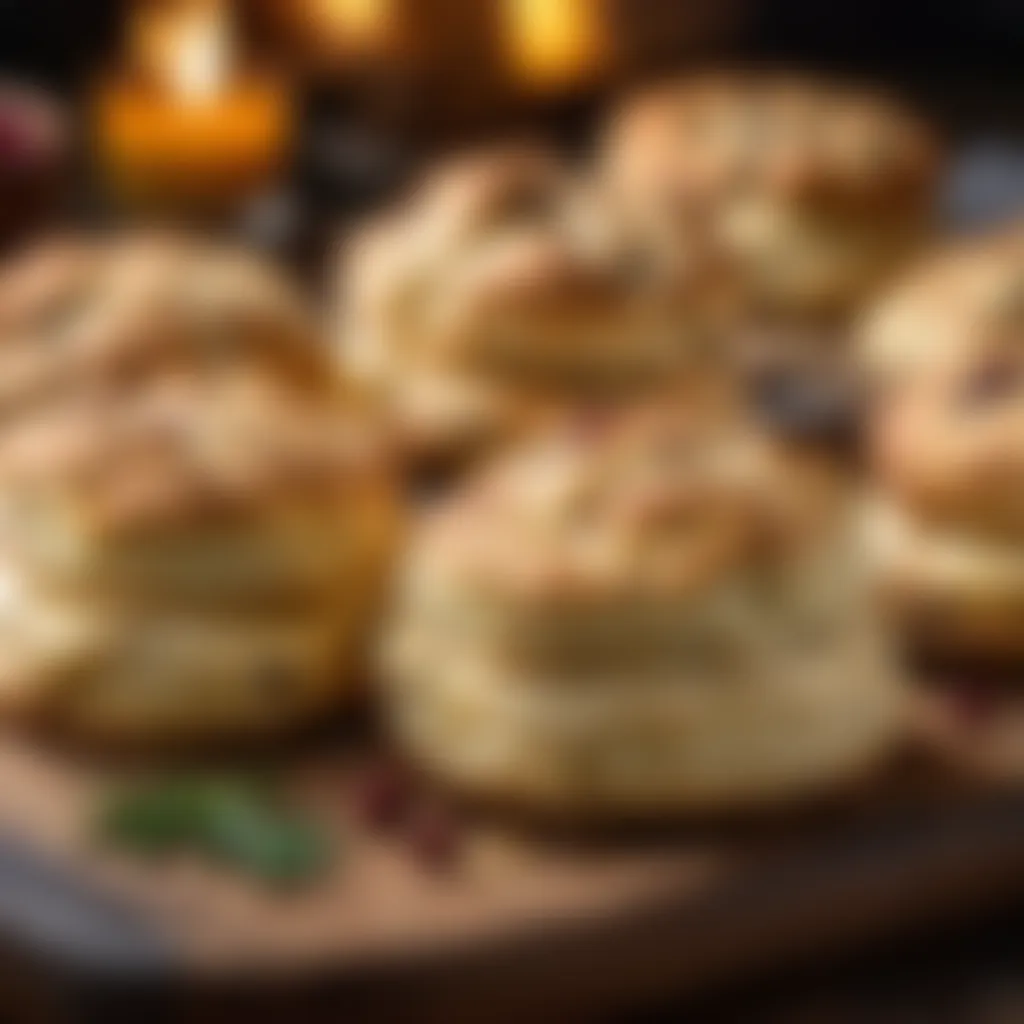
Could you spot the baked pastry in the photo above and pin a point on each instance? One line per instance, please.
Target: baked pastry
(810, 191)
(944, 362)
(497, 292)
(657, 613)
(193, 526)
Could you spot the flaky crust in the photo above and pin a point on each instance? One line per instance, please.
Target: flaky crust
(136, 674)
(182, 487)
(665, 615)
(810, 190)
(943, 359)
(944, 363)
(230, 485)
(951, 592)
(498, 290)
(124, 310)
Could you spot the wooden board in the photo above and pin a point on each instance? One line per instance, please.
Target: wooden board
(525, 926)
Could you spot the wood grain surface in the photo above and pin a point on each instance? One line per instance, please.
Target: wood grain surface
(528, 924)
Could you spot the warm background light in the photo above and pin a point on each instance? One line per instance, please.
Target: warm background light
(554, 43)
(346, 29)
(358, 21)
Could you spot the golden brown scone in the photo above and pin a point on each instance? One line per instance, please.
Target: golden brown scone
(810, 191)
(185, 498)
(147, 304)
(497, 292)
(944, 362)
(659, 613)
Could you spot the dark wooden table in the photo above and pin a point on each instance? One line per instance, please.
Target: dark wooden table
(971, 974)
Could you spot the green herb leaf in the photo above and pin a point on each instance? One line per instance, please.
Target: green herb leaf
(153, 817)
(237, 822)
(261, 836)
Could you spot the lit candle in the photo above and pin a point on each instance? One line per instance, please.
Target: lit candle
(184, 126)
(553, 44)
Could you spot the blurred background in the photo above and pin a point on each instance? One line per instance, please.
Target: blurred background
(384, 83)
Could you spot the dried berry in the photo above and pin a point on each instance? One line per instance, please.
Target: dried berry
(434, 836)
(383, 794)
(19, 141)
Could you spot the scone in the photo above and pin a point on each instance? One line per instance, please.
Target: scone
(944, 360)
(194, 527)
(497, 292)
(655, 614)
(811, 191)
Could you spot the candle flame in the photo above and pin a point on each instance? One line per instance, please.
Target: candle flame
(200, 64)
(186, 48)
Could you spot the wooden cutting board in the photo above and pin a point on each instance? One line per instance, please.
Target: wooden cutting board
(524, 926)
